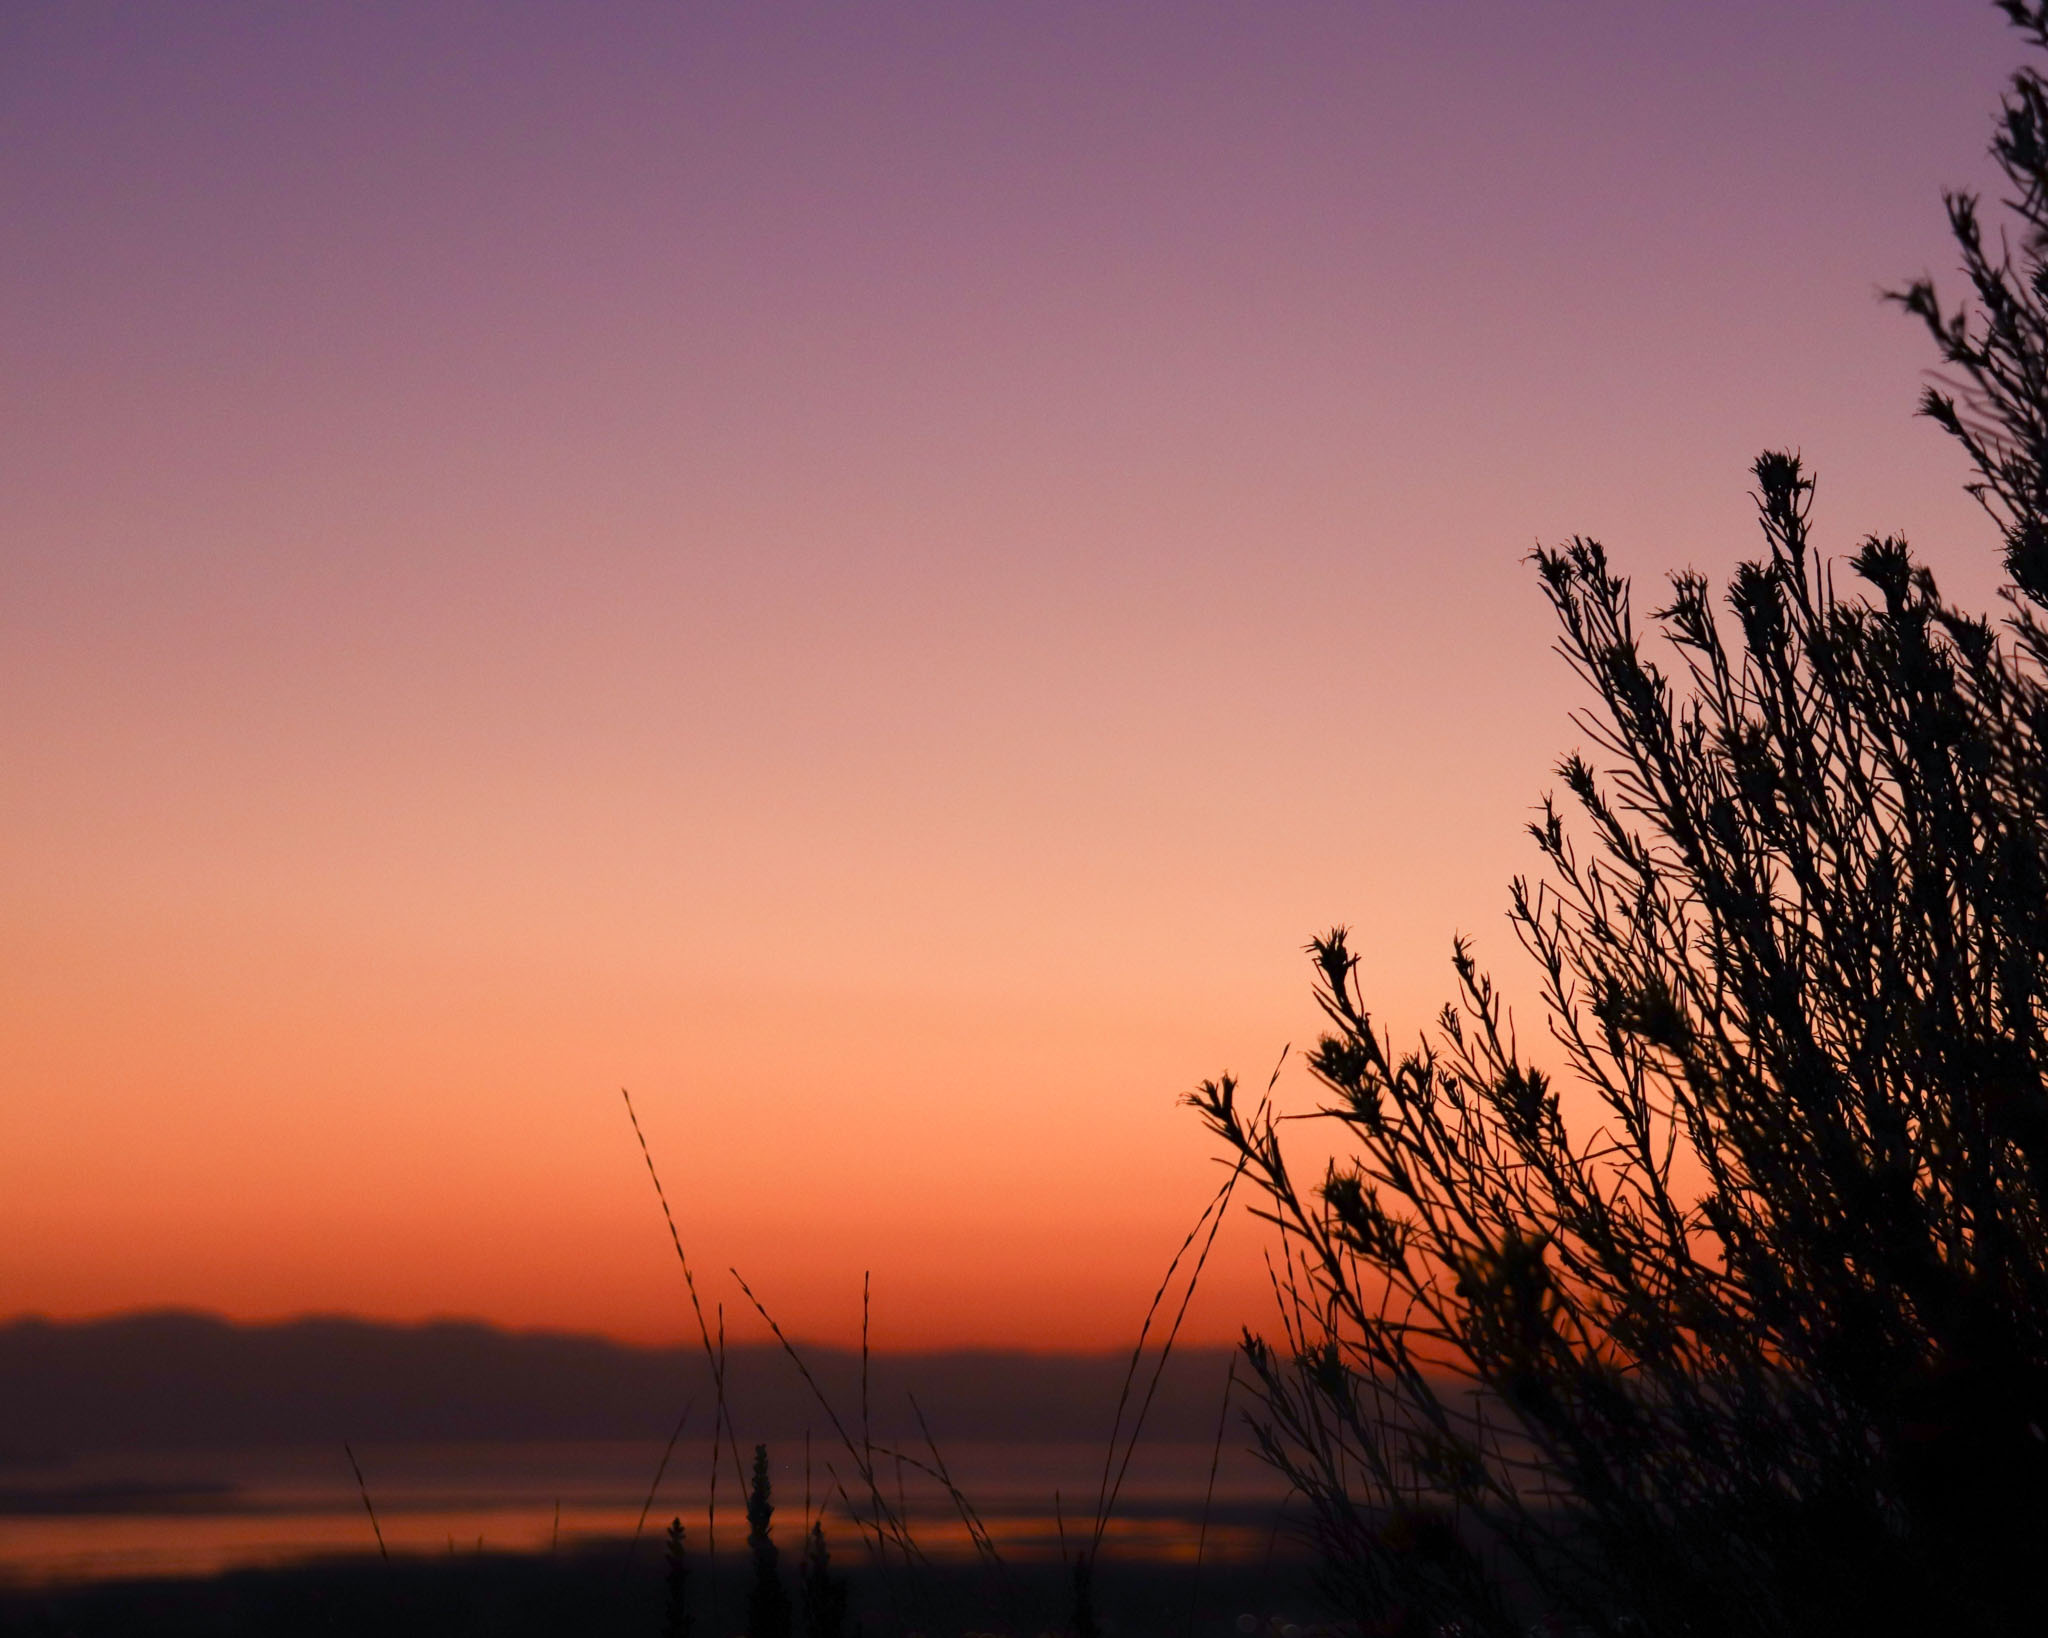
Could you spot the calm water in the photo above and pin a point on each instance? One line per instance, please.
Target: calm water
(195, 1512)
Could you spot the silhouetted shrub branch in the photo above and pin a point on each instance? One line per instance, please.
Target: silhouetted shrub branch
(1741, 1325)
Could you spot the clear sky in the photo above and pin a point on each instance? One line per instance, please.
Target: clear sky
(868, 572)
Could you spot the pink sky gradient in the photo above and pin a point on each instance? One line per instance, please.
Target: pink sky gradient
(869, 573)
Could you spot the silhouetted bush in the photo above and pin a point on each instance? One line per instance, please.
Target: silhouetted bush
(1742, 1325)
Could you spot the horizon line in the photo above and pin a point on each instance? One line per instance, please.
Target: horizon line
(450, 1321)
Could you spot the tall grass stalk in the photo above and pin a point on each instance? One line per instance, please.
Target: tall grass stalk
(722, 1419)
(1209, 1495)
(977, 1532)
(889, 1524)
(363, 1490)
(660, 1468)
(1211, 1219)
(711, 1496)
(867, 1440)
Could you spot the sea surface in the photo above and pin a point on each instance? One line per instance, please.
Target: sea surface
(196, 1512)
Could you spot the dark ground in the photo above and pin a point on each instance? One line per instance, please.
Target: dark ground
(596, 1592)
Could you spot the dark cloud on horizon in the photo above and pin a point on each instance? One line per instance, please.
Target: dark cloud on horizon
(178, 1380)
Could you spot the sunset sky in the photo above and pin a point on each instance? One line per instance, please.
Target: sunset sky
(870, 573)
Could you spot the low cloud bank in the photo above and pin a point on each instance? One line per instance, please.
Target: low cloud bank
(180, 1380)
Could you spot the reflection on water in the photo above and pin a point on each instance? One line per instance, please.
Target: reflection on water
(195, 1512)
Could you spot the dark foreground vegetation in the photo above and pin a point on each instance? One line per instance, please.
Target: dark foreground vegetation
(1739, 1325)
(596, 1592)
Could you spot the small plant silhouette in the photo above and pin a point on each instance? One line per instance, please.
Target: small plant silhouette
(677, 1621)
(767, 1601)
(821, 1593)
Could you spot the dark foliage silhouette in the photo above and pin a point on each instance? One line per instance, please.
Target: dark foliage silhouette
(1741, 1325)
(1082, 1623)
(821, 1594)
(677, 1621)
(767, 1600)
